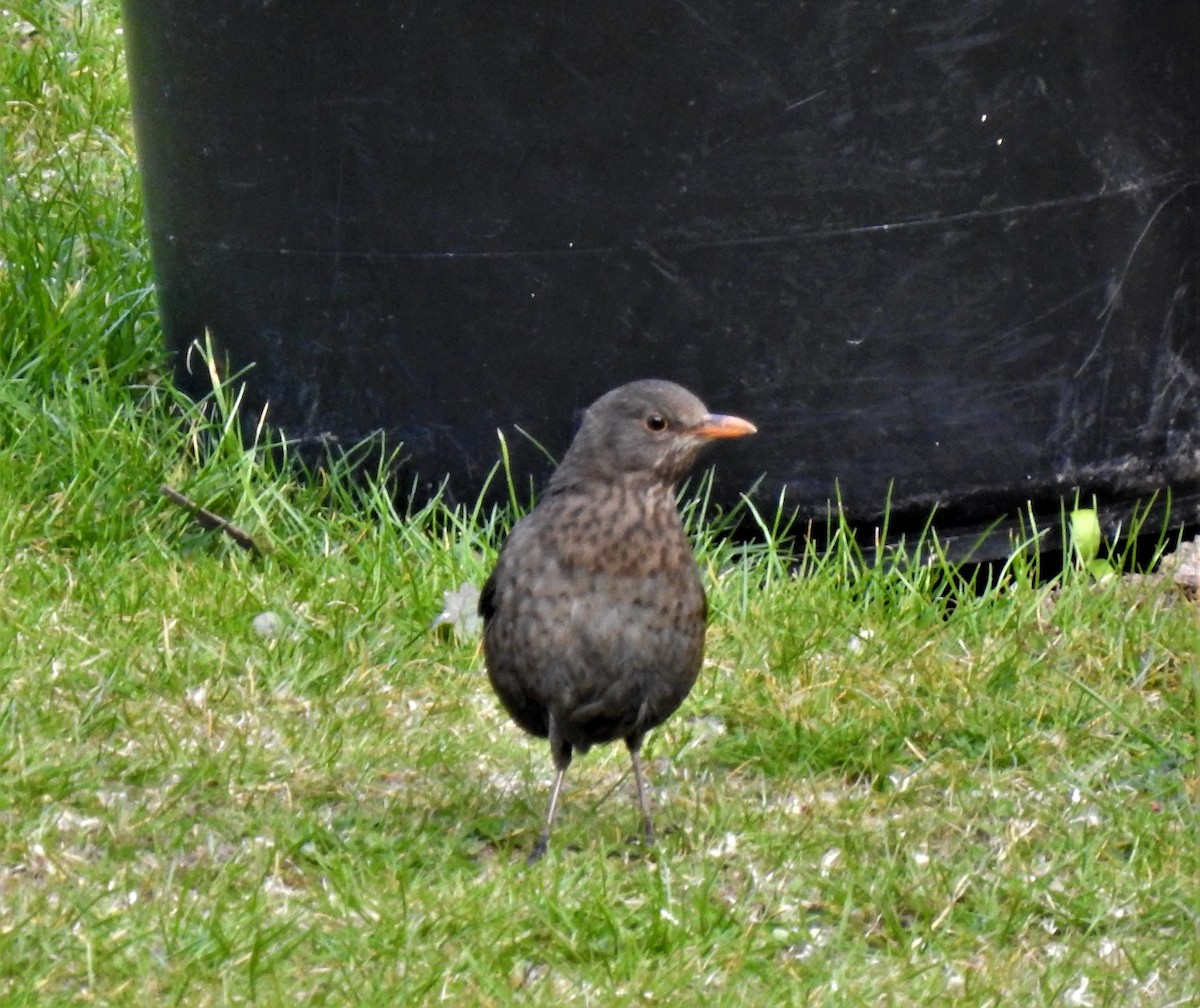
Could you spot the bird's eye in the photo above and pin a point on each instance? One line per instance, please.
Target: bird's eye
(656, 423)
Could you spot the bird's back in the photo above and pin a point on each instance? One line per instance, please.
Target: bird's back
(595, 611)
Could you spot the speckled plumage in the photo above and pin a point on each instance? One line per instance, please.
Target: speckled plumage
(594, 617)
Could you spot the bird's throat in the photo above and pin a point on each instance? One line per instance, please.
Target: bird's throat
(620, 530)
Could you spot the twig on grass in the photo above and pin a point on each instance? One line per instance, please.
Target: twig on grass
(210, 520)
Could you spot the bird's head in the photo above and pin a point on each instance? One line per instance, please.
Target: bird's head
(650, 427)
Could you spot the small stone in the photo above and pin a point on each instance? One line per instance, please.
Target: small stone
(1186, 573)
(267, 624)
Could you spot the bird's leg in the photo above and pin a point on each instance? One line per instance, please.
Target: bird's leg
(634, 742)
(560, 749)
(543, 841)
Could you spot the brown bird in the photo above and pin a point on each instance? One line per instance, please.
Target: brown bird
(594, 616)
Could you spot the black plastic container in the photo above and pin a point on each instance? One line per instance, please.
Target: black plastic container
(942, 251)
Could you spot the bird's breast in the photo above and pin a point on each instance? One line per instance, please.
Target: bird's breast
(618, 531)
(596, 609)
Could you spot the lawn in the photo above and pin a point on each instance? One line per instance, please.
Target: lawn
(228, 778)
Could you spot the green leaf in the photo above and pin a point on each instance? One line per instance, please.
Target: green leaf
(1085, 535)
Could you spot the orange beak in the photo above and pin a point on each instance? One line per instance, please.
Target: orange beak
(719, 426)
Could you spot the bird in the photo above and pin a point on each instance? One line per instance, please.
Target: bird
(594, 615)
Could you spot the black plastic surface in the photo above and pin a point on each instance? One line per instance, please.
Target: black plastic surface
(947, 248)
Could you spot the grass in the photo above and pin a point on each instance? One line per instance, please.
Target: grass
(890, 786)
